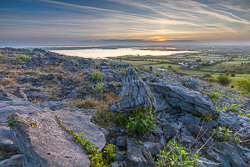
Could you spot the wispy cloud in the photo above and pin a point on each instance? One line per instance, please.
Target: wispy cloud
(149, 19)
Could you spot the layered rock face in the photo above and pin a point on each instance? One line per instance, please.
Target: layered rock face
(181, 97)
(135, 93)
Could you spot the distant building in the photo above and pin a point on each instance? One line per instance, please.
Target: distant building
(161, 69)
(194, 63)
(212, 61)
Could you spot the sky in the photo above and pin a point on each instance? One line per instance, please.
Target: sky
(75, 22)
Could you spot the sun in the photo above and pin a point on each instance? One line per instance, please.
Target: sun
(156, 38)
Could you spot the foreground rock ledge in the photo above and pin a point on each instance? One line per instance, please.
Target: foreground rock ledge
(48, 144)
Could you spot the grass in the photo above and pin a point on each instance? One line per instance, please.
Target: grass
(102, 117)
(166, 66)
(235, 79)
(193, 72)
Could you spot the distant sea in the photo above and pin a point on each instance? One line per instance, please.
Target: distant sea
(104, 53)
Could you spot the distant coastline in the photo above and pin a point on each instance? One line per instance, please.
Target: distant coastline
(96, 53)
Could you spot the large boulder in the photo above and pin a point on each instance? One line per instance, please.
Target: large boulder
(48, 144)
(135, 93)
(181, 97)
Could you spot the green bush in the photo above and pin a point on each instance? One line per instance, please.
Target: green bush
(213, 95)
(210, 79)
(97, 88)
(223, 79)
(232, 75)
(22, 59)
(176, 157)
(120, 119)
(224, 135)
(244, 84)
(97, 76)
(227, 73)
(141, 122)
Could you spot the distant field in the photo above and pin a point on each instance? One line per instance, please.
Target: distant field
(166, 65)
(236, 78)
(193, 72)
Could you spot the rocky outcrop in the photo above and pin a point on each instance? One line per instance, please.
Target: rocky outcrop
(187, 100)
(137, 156)
(227, 154)
(6, 96)
(48, 144)
(135, 93)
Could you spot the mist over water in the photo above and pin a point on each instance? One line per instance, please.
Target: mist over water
(103, 53)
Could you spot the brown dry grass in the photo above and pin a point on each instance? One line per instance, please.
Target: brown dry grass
(102, 117)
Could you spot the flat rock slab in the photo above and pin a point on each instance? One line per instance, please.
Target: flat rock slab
(48, 144)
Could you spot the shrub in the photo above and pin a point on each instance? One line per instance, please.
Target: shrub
(224, 135)
(22, 59)
(213, 95)
(169, 67)
(232, 75)
(177, 156)
(157, 74)
(97, 88)
(210, 79)
(227, 73)
(137, 69)
(223, 79)
(141, 122)
(97, 76)
(120, 119)
(244, 84)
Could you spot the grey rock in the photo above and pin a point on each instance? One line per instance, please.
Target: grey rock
(7, 149)
(119, 156)
(49, 144)
(169, 132)
(31, 79)
(187, 100)
(14, 161)
(21, 78)
(227, 154)
(19, 93)
(203, 162)
(105, 64)
(42, 96)
(153, 147)
(189, 119)
(121, 141)
(72, 94)
(50, 77)
(137, 156)
(185, 138)
(228, 119)
(37, 88)
(112, 141)
(116, 164)
(135, 92)
(104, 131)
(6, 96)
